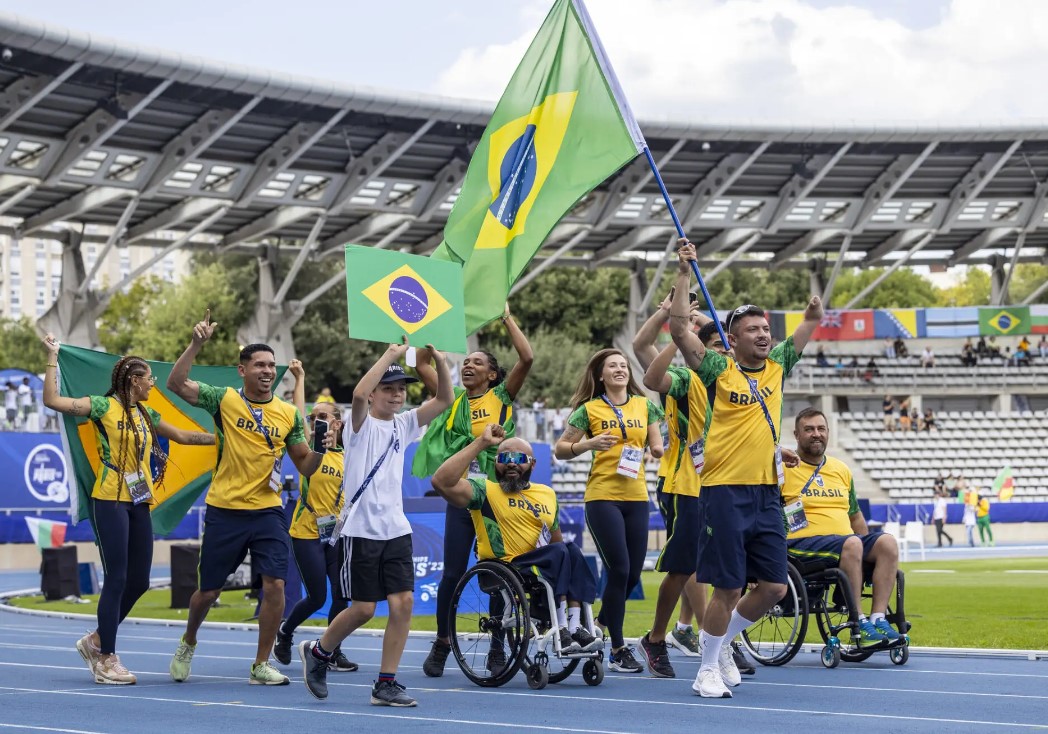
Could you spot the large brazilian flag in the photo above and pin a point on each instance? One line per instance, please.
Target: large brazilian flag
(562, 127)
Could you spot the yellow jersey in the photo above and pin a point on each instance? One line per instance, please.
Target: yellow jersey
(983, 508)
(107, 417)
(829, 498)
(596, 417)
(687, 410)
(509, 524)
(740, 448)
(245, 457)
(494, 406)
(319, 496)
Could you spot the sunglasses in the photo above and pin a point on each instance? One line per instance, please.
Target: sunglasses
(151, 378)
(513, 457)
(738, 312)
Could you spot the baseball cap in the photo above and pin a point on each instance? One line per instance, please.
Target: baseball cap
(396, 373)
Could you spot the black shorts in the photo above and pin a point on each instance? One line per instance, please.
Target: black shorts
(230, 534)
(372, 570)
(828, 547)
(665, 502)
(681, 552)
(742, 535)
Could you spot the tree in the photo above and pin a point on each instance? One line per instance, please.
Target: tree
(902, 289)
(972, 290)
(119, 325)
(785, 288)
(1027, 278)
(559, 360)
(20, 346)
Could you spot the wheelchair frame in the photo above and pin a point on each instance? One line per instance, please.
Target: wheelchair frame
(506, 615)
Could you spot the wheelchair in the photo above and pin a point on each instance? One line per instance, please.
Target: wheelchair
(821, 590)
(503, 620)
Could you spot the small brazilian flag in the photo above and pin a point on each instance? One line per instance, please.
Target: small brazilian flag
(562, 127)
(390, 294)
(1001, 320)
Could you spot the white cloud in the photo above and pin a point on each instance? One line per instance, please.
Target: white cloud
(784, 61)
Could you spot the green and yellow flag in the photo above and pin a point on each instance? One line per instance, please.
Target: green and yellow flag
(1004, 484)
(389, 294)
(1003, 320)
(562, 127)
(85, 372)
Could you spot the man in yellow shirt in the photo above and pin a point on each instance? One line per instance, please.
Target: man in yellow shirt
(823, 522)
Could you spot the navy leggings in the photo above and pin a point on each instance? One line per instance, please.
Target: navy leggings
(459, 536)
(620, 530)
(124, 534)
(318, 563)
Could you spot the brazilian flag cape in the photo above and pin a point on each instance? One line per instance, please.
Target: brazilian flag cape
(449, 433)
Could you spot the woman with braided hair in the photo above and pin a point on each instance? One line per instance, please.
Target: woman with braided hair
(127, 437)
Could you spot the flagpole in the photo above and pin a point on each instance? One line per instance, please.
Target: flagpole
(680, 231)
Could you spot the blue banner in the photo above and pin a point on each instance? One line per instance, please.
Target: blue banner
(34, 471)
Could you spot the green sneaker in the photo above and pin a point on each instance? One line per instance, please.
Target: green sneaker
(182, 661)
(264, 674)
(887, 630)
(686, 641)
(870, 636)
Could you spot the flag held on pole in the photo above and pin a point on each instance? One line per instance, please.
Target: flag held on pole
(1004, 484)
(46, 533)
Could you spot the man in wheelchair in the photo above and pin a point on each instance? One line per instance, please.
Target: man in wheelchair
(824, 523)
(517, 522)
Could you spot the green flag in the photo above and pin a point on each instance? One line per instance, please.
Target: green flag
(1004, 484)
(562, 127)
(389, 294)
(85, 372)
(1000, 320)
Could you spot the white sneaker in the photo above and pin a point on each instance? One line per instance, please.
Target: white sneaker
(710, 684)
(728, 669)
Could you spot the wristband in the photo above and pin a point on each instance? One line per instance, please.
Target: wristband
(49, 364)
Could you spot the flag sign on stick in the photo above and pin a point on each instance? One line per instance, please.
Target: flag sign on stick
(46, 533)
(390, 294)
(1004, 484)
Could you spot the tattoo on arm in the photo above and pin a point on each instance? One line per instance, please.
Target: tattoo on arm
(75, 409)
(571, 433)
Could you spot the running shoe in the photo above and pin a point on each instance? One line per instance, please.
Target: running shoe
(882, 626)
(586, 641)
(686, 641)
(314, 670)
(568, 646)
(657, 658)
(182, 661)
(869, 636)
(282, 646)
(391, 693)
(728, 670)
(433, 665)
(496, 660)
(741, 661)
(264, 674)
(111, 671)
(624, 662)
(88, 651)
(709, 683)
(341, 664)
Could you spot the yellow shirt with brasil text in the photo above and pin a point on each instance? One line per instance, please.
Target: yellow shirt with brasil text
(319, 496)
(740, 449)
(107, 417)
(687, 410)
(245, 459)
(509, 524)
(829, 499)
(494, 406)
(596, 417)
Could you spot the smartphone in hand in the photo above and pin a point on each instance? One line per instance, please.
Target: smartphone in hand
(320, 429)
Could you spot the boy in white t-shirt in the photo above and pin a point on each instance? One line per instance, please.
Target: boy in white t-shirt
(375, 533)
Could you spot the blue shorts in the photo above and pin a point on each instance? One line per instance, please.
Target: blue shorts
(828, 547)
(564, 567)
(230, 534)
(681, 552)
(742, 535)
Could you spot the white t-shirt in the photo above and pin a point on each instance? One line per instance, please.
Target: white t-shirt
(379, 513)
(25, 395)
(939, 513)
(969, 514)
(10, 399)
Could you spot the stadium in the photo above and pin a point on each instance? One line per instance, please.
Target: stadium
(108, 149)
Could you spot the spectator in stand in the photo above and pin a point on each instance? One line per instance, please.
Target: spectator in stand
(915, 420)
(27, 404)
(1024, 344)
(325, 396)
(904, 415)
(888, 408)
(840, 367)
(940, 484)
(820, 358)
(927, 358)
(900, 347)
(981, 349)
(929, 420)
(1007, 356)
(11, 406)
(939, 517)
(968, 355)
(871, 371)
(853, 368)
(960, 487)
(1042, 347)
(560, 415)
(539, 408)
(1021, 357)
(992, 348)
(889, 348)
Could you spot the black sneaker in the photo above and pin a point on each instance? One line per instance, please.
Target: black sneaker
(282, 647)
(657, 658)
(741, 661)
(624, 662)
(586, 641)
(391, 693)
(341, 664)
(314, 670)
(568, 646)
(433, 665)
(496, 661)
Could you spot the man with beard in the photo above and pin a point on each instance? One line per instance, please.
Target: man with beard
(824, 522)
(517, 522)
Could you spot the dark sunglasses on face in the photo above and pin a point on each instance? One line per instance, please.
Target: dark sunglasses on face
(513, 457)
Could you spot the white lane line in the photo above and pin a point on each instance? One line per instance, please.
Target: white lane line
(48, 728)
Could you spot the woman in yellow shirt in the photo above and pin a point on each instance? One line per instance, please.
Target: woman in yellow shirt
(127, 432)
(612, 418)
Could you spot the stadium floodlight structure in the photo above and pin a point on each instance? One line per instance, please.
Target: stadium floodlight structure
(93, 131)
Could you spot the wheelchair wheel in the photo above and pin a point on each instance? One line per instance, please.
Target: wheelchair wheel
(831, 656)
(489, 624)
(899, 655)
(777, 636)
(593, 672)
(559, 670)
(538, 676)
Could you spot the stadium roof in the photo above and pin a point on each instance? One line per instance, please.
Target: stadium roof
(96, 131)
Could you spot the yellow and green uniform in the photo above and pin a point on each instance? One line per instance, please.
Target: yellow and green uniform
(494, 406)
(509, 524)
(596, 417)
(829, 499)
(455, 428)
(107, 417)
(982, 509)
(740, 449)
(687, 411)
(245, 459)
(319, 496)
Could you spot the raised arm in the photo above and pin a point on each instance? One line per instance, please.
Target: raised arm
(644, 342)
(298, 394)
(445, 393)
(54, 401)
(449, 479)
(812, 317)
(525, 357)
(184, 437)
(369, 382)
(687, 341)
(657, 377)
(178, 381)
(425, 370)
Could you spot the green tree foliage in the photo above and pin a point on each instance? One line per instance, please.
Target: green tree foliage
(559, 360)
(782, 289)
(127, 310)
(972, 290)
(1028, 277)
(20, 346)
(902, 289)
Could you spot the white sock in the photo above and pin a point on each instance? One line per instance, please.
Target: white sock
(710, 645)
(737, 624)
(681, 627)
(876, 617)
(562, 614)
(574, 618)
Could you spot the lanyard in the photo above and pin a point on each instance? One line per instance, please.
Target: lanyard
(372, 473)
(256, 413)
(142, 447)
(618, 415)
(812, 477)
(760, 399)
